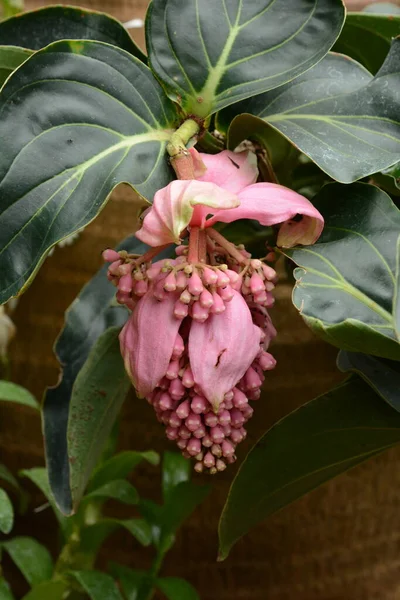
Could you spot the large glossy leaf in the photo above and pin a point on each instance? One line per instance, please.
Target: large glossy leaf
(336, 113)
(313, 444)
(6, 512)
(381, 374)
(97, 396)
(98, 586)
(38, 28)
(120, 466)
(87, 318)
(11, 392)
(345, 283)
(76, 119)
(32, 559)
(177, 589)
(366, 37)
(212, 53)
(10, 58)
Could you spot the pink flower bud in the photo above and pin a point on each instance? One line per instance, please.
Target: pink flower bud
(217, 435)
(195, 285)
(199, 404)
(181, 310)
(199, 313)
(226, 293)
(206, 299)
(252, 379)
(193, 422)
(224, 418)
(141, 287)
(183, 409)
(193, 446)
(176, 389)
(172, 370)
(110, 255)
(239, 399)
(210, 277)
(170, 282)
(266, 361)
(187, 378)
(228, 448)
(209, 460)
(218, 306)
(184, 433)
(125, 283)
(165, 402)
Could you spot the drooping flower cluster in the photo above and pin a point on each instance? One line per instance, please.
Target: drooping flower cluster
(196, 345)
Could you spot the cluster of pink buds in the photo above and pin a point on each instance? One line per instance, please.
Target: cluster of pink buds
(196, 344)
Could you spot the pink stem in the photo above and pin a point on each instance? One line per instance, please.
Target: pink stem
(193, 255)
(228, 246)
(150, 254)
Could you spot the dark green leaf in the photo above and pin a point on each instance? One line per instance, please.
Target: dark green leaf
(382, 375)
(213, 53)
(11, 392)
(41, 27)
(48, 590)
(5, 592)
(93, 536)
(181, 502)
(99, 586)
(177, 589)
(87, 318)
(119, 489)
(104, 119)
(153, 514)
(336, 114)
(8, 477)
(394, 173)
(10, 58)
(140, 529)
(346, 282)
(6, 512)
(129, 579)
(97, 396)
(120, 466)
(39, 476)
(175, 469)
(367, 38)
(32, 559)
(313, 444)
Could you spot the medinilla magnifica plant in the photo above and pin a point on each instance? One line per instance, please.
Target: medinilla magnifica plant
(246, 136)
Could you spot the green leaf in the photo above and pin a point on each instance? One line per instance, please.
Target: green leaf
(177, 589)
(175, 469)
(11, 57)
(39, 476)
(48, 590)
(140, 529)
(336, 113)
(93, 536)
(98, 586)
(366, 38)
(8, 477)
(38, 28)
(104, 119)
(313, 444)
(120, 466)
(345, 285)
(5, 592)
(394, 173)
(119, 489)
(213, 53)
(6, 512)
(11, 392)
(32, 559)
(129, 579)
(97, 396)
(382, 375)
(87, 318)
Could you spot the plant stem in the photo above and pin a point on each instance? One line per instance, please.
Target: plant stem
(228, 246)
(181, 159)
(193, 255)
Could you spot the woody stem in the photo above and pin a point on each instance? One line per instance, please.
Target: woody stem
(228, 246)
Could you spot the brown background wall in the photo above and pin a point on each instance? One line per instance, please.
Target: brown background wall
(341, 542)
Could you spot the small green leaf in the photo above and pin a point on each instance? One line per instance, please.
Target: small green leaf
(120, 466)
(38, 28)
(97, 396)
(97, 128)
(182, 500)
(313, 444)
(177, 589)
(11, 392)
(8, 477)
(335, 113)
(48, 590)
(5, 592)
(382, 375)
(98, 586)
(93, 536)
(39, 476)
(11, 57)
(140, 529)
(213, 53)
(129, 579)
(366, 38)
(175, 469)
(345, 283)
(32, 559)
(118, 489)
(6, 512)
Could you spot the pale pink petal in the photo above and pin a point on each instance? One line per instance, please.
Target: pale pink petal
(232, 171)
(173, 209)
(271, 204)
(147, 341)
(198, 164)
(222, 349)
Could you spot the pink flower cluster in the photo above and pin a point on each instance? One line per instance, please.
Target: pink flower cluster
(196, 344)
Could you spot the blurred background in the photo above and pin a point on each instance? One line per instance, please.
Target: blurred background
(341, 542)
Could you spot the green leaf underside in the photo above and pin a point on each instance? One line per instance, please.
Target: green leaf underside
(87, 318)
(11, 57)
(98, 586)
(6, 512)
(177, 589)
(77, 118)
(120, 466)
(346, 281)
(315, 443)
(97, 396)
(366, 38)
(234, 49)
(382, 375)
(11, 392)
(32, 559)
(39, 28)
(337, 114)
